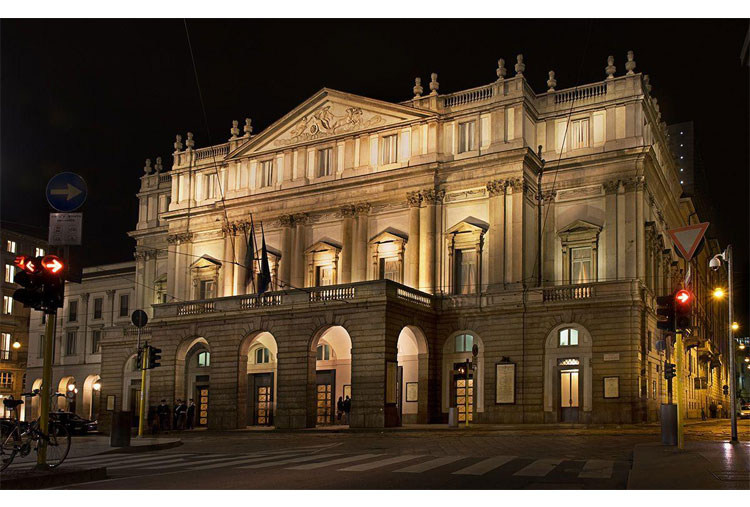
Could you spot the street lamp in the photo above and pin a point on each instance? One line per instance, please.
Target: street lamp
(735, 326)
(16, 345)
(715, 263)
(718, 293)
(71, 387)
(97, 386)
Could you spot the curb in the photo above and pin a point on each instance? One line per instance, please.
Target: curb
(143, 448)
(51, 479)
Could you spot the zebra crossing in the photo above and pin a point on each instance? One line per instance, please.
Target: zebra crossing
(323, 459)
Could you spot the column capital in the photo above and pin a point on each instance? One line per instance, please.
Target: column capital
(363, 208)
(110, 293)
(285, 220)
(85, 297)
(515, 184)
(184, 237)
(300, 218)
(348, 210)
(496, 187)
(549, 196)
(414, 199)
(433, 196)
(611, 186)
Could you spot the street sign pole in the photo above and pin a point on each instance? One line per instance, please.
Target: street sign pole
(679, 365)
(49, 333)
(142, 404)
(732, 360)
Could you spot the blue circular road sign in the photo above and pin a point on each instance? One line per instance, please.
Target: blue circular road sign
(66, 192)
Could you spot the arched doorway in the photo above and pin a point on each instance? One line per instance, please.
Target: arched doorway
(331, 373)
(91, 388)
(131, 388)
(567, 374)
(412, 375)
(463, 389)
(69, 388)
(194, 359)
(36, 405)
(260, 376)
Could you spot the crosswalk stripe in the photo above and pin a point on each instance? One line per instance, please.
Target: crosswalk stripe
(485, 466)
(340, 461)
(184, 462)
(88, 460)
(597, 469)
(539, 468)
(158, 462)
(247, 459)
(380, 463)
(429, 465)
(292, 460)
(120, 457)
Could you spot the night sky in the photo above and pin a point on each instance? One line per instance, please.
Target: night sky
(98, 97)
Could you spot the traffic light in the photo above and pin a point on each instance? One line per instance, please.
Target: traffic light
(53, 291)
(669, 370)
(154, 356)
(42, 282)
(139, 358)
(665, 312)
(683, 314)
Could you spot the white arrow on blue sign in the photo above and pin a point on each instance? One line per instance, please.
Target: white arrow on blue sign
(66, 192)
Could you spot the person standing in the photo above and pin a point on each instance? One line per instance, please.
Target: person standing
(339, 409)
(190, 414)
(347, 409)
(181, 415)
(162, 413)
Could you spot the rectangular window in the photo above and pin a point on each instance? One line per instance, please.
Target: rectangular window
(325, 161)
(6, 380)
(7, 305)
(5, 340)
(40, 352)
(568, 337)
(266, 173)
(467, 136)
(389, 270)
(39, 252)
(204, 359)
(209, 183)
(10, 273)
(10, 246)
(124, 305)
(390, 147)
(98, 304)
(206, 289)
(579, 134)
(73, 311)
(465, 272)
(580, 265)
(464, 343)
(70, 343)
(96, 341)
(324, 276)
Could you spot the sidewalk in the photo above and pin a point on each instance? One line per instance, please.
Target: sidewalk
(701, 465)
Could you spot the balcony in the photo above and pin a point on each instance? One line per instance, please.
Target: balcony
(8, 356)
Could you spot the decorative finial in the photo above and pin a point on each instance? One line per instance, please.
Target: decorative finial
(647, 83)
(178, 143)
(551, 82)
(158, 165)
(248, 128)
(434, 85)
(235, 130)
(630, 64)
(417, 87)
(520, 66)
(501, 71)
(147, 168)
(610, 68)
(189, 142)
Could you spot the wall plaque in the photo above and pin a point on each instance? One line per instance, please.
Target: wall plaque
(505, 383)
(611, 387)
(612, 357)
(412, 391)
(111, 402)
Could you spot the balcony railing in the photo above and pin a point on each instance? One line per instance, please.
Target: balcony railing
(581, 93)
(568, 293)
(337, 294)
(414, 297)
(261, 302)
(196, 308)
(468, 96)
(218, 152)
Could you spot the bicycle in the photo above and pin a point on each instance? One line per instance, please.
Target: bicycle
(16, 436)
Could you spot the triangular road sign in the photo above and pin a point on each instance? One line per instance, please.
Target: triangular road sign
(686, 239)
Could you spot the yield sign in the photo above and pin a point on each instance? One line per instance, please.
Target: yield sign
(687, 238)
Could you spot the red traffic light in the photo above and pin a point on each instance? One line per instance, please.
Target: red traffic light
(28, 264)
(21, 261)
(52, 263)
(683, 297)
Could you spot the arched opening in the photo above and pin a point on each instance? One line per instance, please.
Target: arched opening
(567, 374)
(412, 375)
(36, 406)
(192, 382)
(131, 388)
(463, 388)
(330, 372)
(259, 359)
(91, 388)
(69, 388)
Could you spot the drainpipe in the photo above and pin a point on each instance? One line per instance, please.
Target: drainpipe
(540, 200)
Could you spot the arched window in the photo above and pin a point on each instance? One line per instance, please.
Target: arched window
(568, 337)
(262, 355)
(324, 352)
(204, 359)
(464, 343)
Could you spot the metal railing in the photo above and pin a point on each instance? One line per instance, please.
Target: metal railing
(569, 293)
(196, 308)
(468, 96)
(337, 294)
(581, 93)
(414, 297)
(219, 151)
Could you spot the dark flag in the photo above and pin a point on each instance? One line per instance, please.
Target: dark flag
(250, 255)
(264, 280)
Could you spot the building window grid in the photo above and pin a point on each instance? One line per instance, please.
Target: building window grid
(10, 273)
(7, 305)
(390, 149)
(266, 173)
(124, 305)
(579, 134)
(262, 355)
(463, 343)
(73, 311)
(96, 341)
(5, 341)
(10, 246)
(466, 136)
(204, 359)
(98, 305)
(568, 337)
(39, 252)
(70, 343)
(6, 379)
(323, 352)
(325, 161)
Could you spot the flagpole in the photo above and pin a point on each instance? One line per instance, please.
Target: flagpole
(247, 243)
(255, 253)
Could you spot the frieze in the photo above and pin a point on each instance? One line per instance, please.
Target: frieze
(571, 194)
(183, 237)
(433, 196)
(466, 195)
(324, 123)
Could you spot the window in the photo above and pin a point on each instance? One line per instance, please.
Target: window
(568, 337)
(263, 355)
(568, 362)
(325, 161)
(266, 173)
(98, 304)
(323, 352)
(6, 380)
(206, 289)
(7, 305)
(70, 343)
(465, 273)
(40, 352)
(10, 246)
(464, 343)
(204, 359)
(96, 341)
(124, 305)
(466, 136)
(324, 275)
(209, 186)
(390, 145)
(5, 340)
(579, 134)
(390, 269)
(10, 273)
(580, 264)
(73, 311)
(39, 252)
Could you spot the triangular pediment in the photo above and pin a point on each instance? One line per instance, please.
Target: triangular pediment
(469, 224)
(390, 235)
(323, 246)
(205, 261)
(580, 226)
(328, 114)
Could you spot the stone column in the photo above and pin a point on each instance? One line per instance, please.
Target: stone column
(285, 268)
(515, 226)
(414, 200)
(149, 277)
(359, 252)
(347, 240)
(171, 267)
(240, 250)
(228, 261)
(621, 245)
(140, 278)
(610, 231)
(427, 239)
(496, 189)
(640, 229)
(298, 257)
(549, 238)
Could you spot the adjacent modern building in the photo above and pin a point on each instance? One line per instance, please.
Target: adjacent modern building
(518, 233)
(102, 302)
(14, 318)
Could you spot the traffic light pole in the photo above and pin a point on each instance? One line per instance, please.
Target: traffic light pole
(732, 360)
(49, 333)
(679, 364)
(142, 404)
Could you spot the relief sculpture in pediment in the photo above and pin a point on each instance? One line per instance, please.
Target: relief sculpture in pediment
(324, 123)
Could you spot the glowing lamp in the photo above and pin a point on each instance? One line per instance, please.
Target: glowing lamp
(71, 387)
(718, 293)
(52, 263)
(683, 297)
(16, 344)
(735, 326)
(97, 386)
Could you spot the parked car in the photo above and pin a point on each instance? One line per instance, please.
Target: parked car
(76, 424)
(744, 411)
